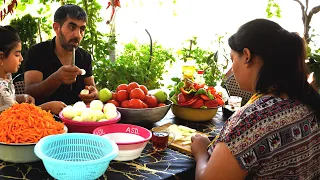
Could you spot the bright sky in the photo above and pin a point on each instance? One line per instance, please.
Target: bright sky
(203, 19)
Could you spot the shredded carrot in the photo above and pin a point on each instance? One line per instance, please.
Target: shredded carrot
(27, 123)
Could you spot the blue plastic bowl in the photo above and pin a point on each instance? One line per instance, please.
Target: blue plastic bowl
(76, 155)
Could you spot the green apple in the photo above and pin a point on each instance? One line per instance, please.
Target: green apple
(161, 96)
(105, 95)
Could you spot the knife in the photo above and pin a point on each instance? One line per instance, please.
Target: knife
(73, 62)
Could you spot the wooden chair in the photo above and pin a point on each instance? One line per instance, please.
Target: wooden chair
(19, 87)
(233, 89)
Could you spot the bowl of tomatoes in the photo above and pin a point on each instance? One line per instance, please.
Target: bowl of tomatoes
(142, 116)
(138, 106)
(195, 102)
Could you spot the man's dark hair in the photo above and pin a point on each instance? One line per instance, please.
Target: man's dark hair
(69, 11)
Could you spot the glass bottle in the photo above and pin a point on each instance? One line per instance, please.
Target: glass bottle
(188, 69)
(200, 78)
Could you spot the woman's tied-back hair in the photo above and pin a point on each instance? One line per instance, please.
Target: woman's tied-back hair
(9, 38)
(283, 54)
(69, 11)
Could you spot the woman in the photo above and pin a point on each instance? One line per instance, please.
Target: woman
(10, 60)
(276, 134)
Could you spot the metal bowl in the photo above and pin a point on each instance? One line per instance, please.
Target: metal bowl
(19, 152)
(143, 116)
(194, 114)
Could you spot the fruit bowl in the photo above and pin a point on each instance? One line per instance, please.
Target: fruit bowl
(86, 127)
(194, 114)
(131, 139)
(143, 116)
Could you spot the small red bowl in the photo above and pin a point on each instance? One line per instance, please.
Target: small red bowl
(86, 127)
(131, 139)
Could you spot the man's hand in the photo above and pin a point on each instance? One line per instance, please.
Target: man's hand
(93, 94)
(68, 74)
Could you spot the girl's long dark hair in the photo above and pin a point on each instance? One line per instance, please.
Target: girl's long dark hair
(8, 39)
(283, 54)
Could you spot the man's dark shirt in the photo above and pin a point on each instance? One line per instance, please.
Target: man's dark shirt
(42, 57)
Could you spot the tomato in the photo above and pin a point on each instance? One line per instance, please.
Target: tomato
(144, 89)
(144, 105)
(198, 86)
(212, 90)
(188, 102)
(114, 102)
(199, 103)
(204, 97)
(131, 86)
(161, 104)
(122, 95)
(220, 102)
(135, 103)
(122, 87)
(151, 101)
(114, 96)
(181, 98)
(211, 103)
(137, 93)
(125, 104)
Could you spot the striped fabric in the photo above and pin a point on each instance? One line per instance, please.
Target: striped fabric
(274, 138)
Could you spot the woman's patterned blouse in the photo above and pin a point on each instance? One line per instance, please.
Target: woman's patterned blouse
(7, 93)
(274, 138)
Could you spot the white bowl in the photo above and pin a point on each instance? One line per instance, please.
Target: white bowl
(131, 139)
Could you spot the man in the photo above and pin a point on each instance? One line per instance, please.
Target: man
(50, 74)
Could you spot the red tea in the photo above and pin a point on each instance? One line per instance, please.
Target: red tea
(160, 140)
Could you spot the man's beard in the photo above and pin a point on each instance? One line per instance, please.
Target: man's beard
(65, 45)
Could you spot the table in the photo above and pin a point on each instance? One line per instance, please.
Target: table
(169, 164)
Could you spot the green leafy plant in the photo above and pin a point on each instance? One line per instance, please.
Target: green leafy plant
(94, 41)
(134, 64)
(27, 29)
(205, 59)
(273, 9)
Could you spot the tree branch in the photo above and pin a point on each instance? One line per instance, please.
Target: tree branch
(302, 10)
(314, 10)
(307, 5)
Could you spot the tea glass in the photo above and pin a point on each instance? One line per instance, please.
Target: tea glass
(160, 139)
(235, 101)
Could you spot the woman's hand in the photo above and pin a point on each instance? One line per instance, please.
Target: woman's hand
(25, 98)
(54, 106)
(199, 146)
(93, 94)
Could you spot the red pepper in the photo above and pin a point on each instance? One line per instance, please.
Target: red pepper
(220, 102)
(204, 97)
(181, 98)
(199, 103)
(211, 89)
(198, 86)
(189, 102)
(211, 103)
(217, 96)
(184, 91)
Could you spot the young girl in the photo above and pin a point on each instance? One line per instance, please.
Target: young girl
(10, 61)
